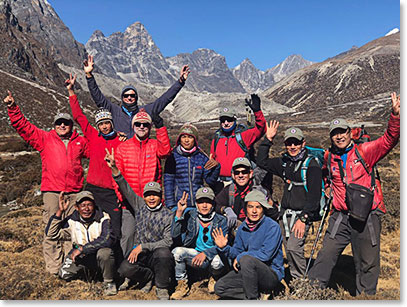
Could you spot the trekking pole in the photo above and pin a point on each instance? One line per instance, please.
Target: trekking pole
(321, 226)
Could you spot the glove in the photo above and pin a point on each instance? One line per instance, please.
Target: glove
(158, 121)
(231, 217)
(253, 103)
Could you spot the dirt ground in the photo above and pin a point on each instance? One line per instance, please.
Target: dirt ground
(22, 274)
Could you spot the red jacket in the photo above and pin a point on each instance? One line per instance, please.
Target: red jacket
(99, 173)
(355, 173)
(228, 149)
(61, 166)
(139, 161)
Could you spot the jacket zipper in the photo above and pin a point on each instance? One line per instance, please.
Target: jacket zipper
(191, 192)
(140, 167)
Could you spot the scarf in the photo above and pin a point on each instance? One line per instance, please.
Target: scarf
(108, 136)
(184, 152)
(239, 195)
(207, 217)
(130, 109)
(154, 209)
(252, 225)
(298, 157)
(230, 129)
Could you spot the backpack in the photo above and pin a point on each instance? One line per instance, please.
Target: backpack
(360, 136)
(318, 155)
(250, 153)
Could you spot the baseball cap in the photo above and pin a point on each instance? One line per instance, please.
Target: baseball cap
(205, 192)
(338, 123)
(241, 161)
(84, 195)
(152, 186)
(226, 112)
(63, 116)
(293, 132)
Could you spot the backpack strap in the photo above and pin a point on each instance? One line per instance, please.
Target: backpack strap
(304, 169)
(360, 155)
(216, 139)
(231, 194)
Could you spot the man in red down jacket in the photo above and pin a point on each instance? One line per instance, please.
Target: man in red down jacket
(61, 151)
(138, 159)
(99, 179)
(343, 228)
(227, 148)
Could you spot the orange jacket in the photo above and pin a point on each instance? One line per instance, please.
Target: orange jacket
(139, 161)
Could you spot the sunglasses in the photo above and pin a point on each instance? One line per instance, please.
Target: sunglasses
(294, 142)
(243, 172)
(205, 232)
(228, 119)
(138, 125)
(59, 122)
(129, 95)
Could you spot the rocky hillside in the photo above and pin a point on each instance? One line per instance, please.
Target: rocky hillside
(361, 73)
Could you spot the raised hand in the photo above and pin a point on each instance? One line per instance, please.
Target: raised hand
(111, 162)
(253, 103)
(220, 240)
(182, 204)
(70, 83)
(9, 100)
(63, 204)
(395, 100)
(272, 129)
(184, 73)
(88, 66)
(211, 163)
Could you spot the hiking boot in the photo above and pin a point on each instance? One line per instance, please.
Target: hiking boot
(211, 285)
(147, 287)
(264, 296)
(110, 289)
(125, 284)
(162, 294)
(181, 290)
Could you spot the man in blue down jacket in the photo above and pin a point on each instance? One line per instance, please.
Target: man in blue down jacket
(123, 114)
(186, 169)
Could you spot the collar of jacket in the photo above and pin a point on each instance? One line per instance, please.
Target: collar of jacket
(245, 227)
(74, 135)
(137, 140)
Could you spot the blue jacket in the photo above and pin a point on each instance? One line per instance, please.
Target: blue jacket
(187, 227)
(186, 173)
(121, 120)
(263, 243)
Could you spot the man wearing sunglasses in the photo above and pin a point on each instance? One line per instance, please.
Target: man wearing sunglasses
(138, 159)
(193, 231)
(299, 205)
(230, 201)
(61, 151)
(229, 144)
(123, 114)
(364, 236)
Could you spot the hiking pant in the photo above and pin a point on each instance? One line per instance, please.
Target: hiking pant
(253, 277)
(53, 250)
(158, 264)
(183, 257)
(294, 250)
(365, 240)
(106, 199)
(103, 259)
(127, 231)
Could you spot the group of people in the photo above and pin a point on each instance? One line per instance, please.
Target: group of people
(203, 215)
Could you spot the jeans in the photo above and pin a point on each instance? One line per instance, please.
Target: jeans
(183, 256)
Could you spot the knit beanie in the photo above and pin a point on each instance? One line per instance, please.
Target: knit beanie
(141, 117)
(103, 115)
(188, 129)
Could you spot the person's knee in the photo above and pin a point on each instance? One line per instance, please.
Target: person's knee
(163, 254)
(104, 254)
(178, 254)
(216, 263)
(246, 262)
(125, 268)
(220, 287)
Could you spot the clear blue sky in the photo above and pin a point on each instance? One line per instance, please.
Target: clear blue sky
(264, 31)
